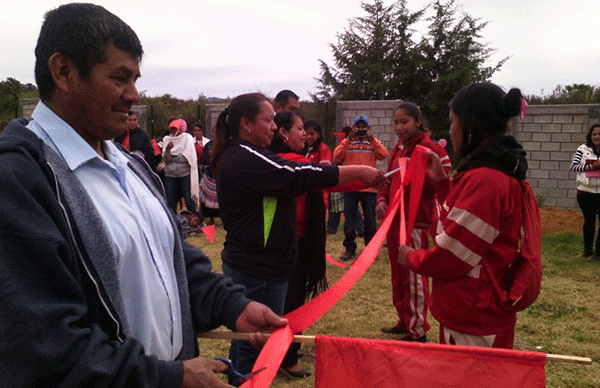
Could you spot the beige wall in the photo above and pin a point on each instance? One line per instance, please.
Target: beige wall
(551, 134)
(212, 114)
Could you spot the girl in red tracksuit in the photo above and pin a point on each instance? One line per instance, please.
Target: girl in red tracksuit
(410, 291)
(480, 220)
(317, 151)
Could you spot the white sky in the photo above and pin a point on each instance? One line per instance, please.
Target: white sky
(224, 48)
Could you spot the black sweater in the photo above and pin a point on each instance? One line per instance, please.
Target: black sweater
(256, 190)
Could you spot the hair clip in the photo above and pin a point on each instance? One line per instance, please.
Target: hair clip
(523, 111)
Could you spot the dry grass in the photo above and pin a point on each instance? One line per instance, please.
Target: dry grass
(564, 320)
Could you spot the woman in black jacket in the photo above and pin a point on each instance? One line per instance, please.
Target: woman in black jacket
(256, 192)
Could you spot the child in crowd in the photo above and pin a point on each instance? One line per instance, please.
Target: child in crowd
(410, 291)
(317, 151)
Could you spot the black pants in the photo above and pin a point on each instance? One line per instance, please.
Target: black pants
(590, 206)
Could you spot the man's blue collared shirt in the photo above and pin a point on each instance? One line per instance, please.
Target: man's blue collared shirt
(139, 230)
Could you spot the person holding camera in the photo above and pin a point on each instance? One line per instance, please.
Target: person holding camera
(359, 148)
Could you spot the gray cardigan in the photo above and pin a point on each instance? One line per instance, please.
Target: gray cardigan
(59, 277)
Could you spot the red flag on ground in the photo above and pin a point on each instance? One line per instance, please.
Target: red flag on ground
(209, 232)
(360, 363)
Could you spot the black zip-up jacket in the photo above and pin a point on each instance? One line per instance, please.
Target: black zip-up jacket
(62, 320)
(256, 191)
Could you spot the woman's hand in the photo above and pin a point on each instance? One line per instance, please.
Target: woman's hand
(380, 209)
(435, 171)
(370, 176)
(402, 252)
(373, 177)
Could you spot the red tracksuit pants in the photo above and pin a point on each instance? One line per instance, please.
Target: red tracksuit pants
(410, 291)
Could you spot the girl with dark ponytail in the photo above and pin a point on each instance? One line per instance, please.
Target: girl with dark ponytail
(256, 192)
(487, 204)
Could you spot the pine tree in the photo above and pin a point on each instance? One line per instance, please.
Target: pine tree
(378, 57)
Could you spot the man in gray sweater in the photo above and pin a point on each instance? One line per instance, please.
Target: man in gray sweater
(97, 287)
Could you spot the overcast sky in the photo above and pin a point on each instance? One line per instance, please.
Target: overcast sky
(224, 48)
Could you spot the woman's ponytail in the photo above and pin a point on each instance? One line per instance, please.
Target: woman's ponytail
(228, 124)
(510, 105)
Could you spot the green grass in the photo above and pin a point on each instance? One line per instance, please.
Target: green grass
(564, 320)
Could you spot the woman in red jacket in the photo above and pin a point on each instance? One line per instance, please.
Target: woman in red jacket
(410, 291)
(481, 220)
(308, 278)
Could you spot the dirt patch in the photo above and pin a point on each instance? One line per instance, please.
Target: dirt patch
(560, 220)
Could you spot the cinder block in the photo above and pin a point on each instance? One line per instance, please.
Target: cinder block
(541, 137)
(561, 137)
(534, 128)
(521, 136)
(533, 164)
(541, 174)
(581, 119)
(543, 119)
(548, 183)
(531, 145)
(562, 119)
(551, 128)
(566, 203)
(558, 193)
(572, 128)
(540, 155)
(548, 146)
(559, 156)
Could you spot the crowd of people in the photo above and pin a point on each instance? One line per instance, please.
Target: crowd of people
(100, 287)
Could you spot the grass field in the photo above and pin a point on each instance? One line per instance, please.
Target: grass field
(564, 320)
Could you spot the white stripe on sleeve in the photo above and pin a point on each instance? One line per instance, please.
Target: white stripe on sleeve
(458, 249)
(474, 224)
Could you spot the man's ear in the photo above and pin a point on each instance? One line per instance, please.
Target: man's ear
(63, 70)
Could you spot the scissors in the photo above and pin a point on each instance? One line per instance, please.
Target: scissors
(391, 172)
(235, 377)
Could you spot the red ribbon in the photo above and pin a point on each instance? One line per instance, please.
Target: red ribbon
(306, 315)
(335, 262)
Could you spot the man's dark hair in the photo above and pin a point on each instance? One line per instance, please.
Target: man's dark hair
(82, 32)
(284, 96)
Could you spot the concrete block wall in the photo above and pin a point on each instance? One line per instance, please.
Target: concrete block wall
(26, 107)
(551, 134)
(212, 114)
